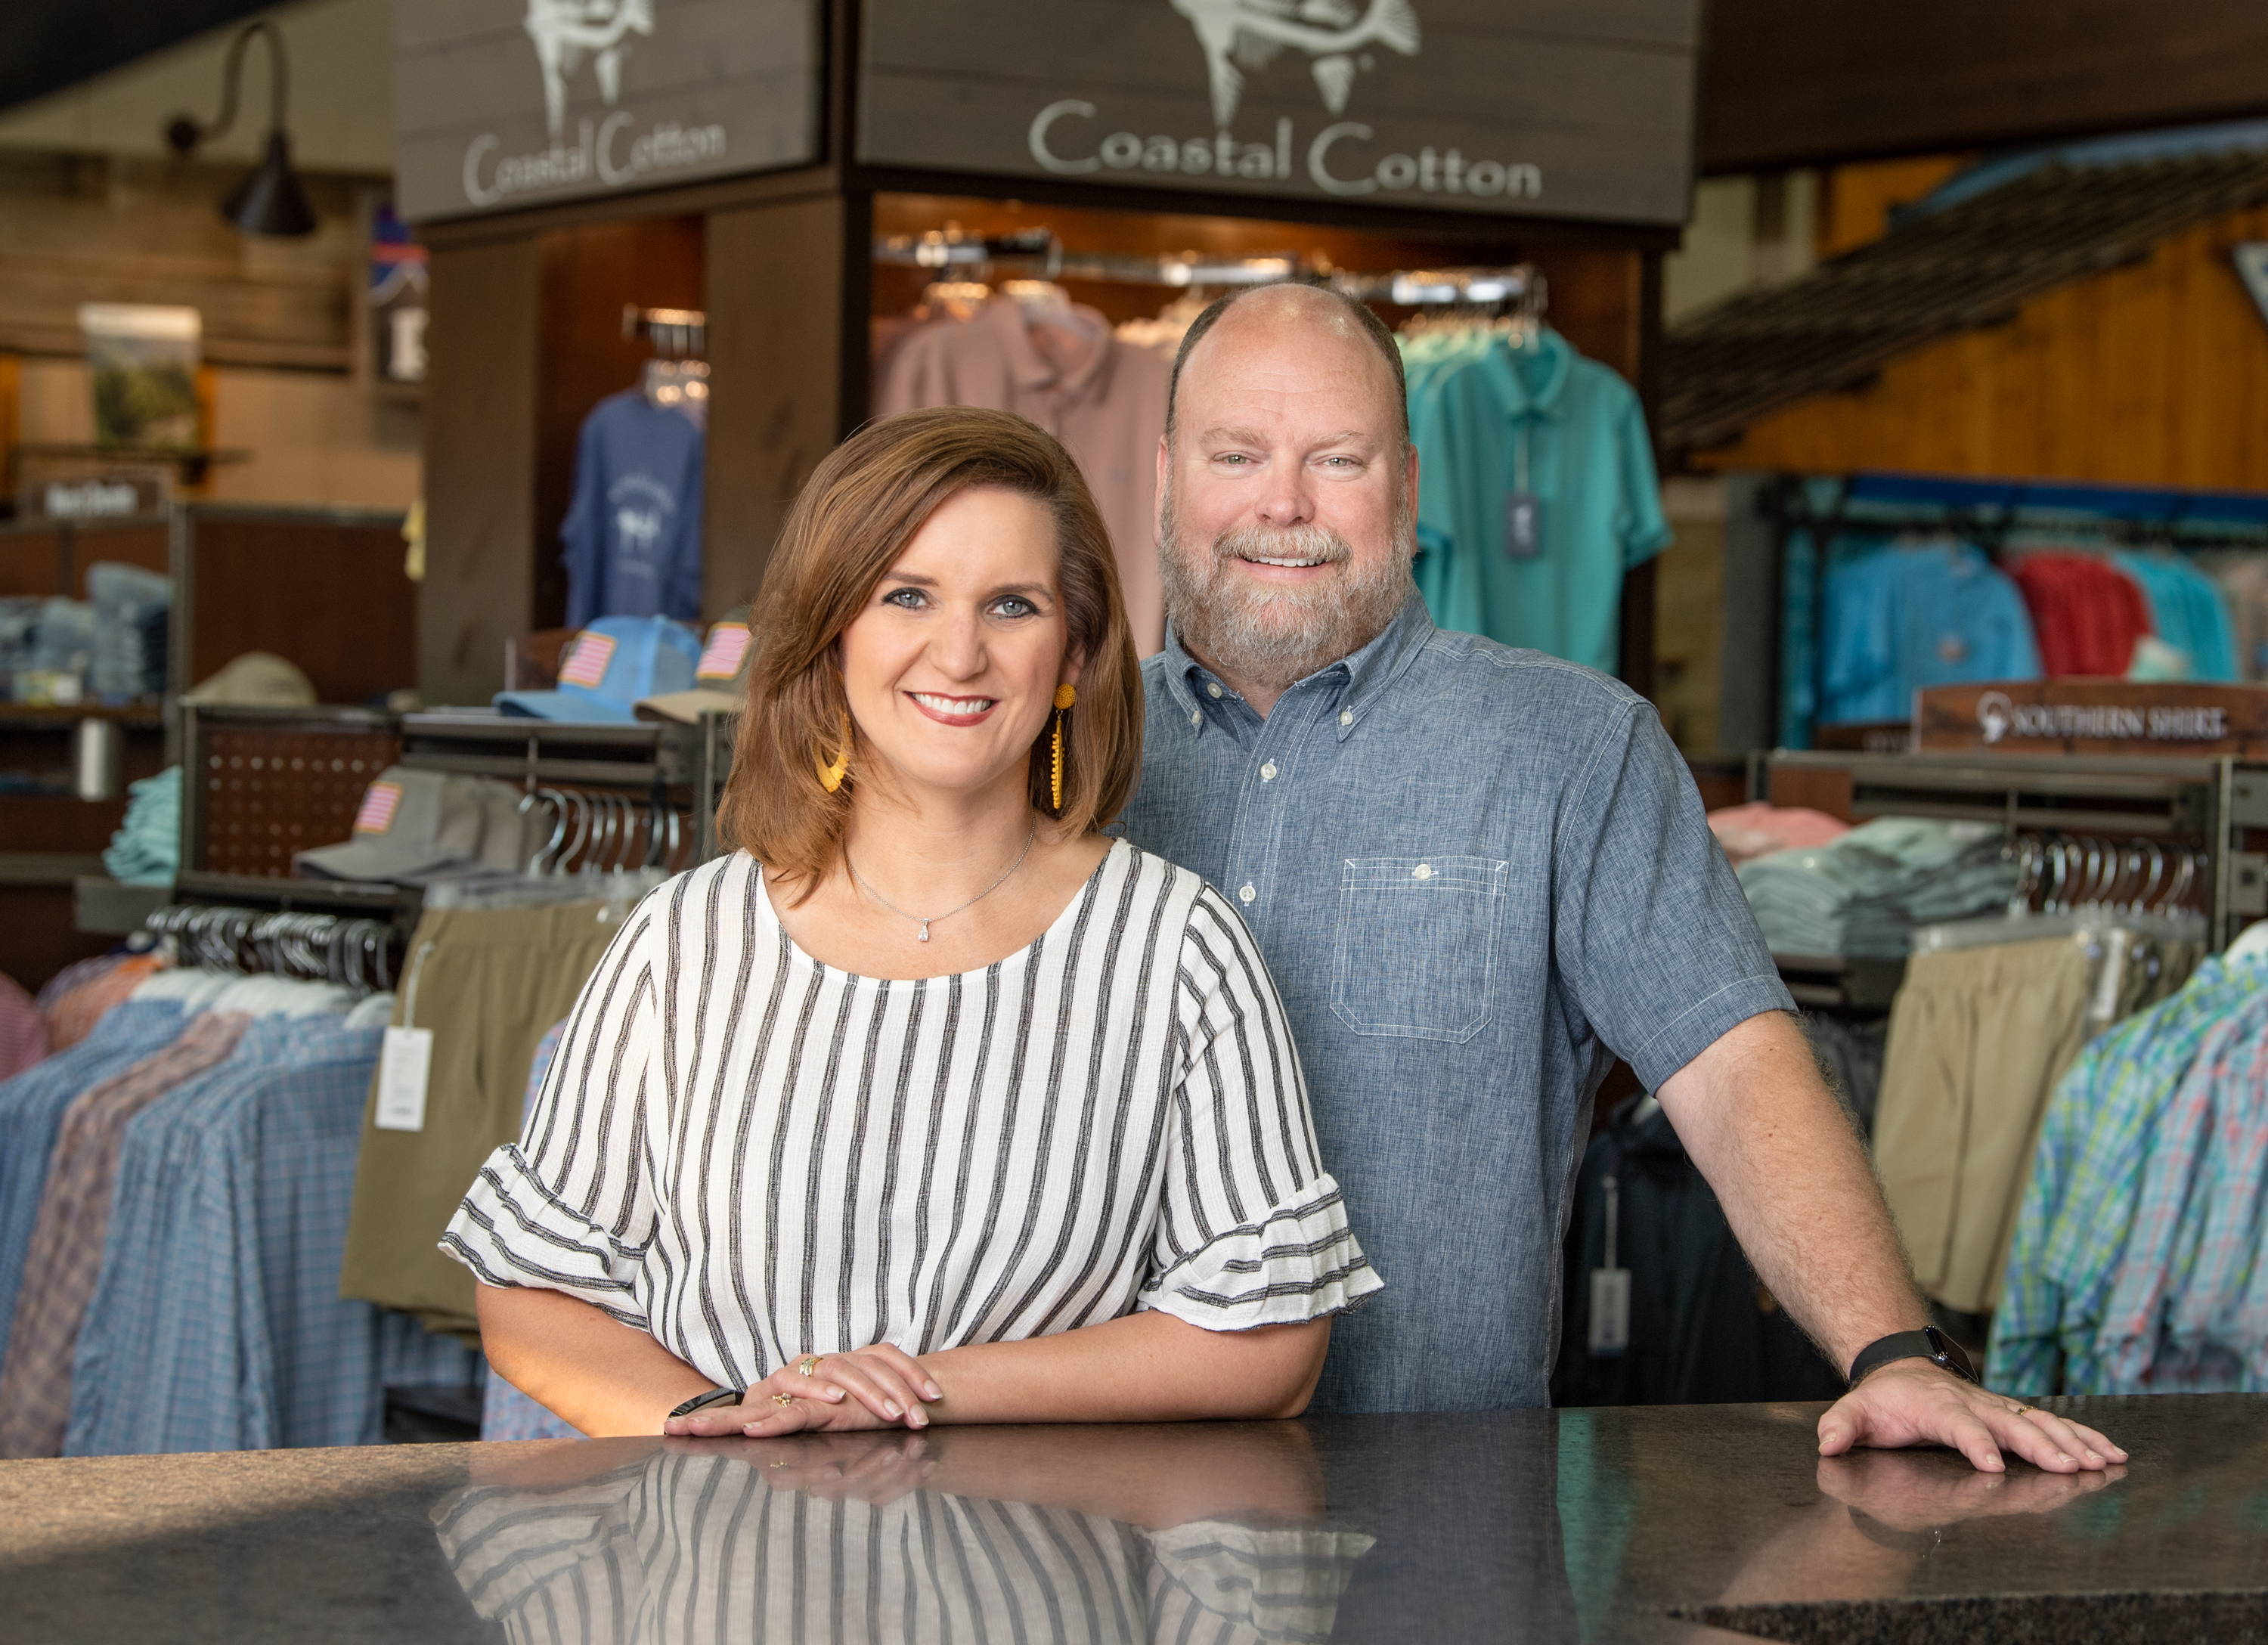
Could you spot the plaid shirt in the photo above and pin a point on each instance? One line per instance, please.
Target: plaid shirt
(2194, 1177)
(32, 1107)
(506, 1413)
(66, 1249)
(222, 1272)
(2083, 1196)
(23, 1031)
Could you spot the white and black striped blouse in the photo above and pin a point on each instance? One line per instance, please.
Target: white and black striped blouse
(703, 1546)
(754, 1155)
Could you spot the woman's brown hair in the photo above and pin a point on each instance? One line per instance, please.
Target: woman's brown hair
(854, 517)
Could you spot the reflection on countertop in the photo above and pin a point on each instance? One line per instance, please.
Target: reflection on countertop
(1622, 1525)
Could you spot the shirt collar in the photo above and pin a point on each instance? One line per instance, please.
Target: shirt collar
(1363, 675)
(1531, 382)
(1032, 370)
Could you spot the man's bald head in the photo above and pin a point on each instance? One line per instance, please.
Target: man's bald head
(1292, 305)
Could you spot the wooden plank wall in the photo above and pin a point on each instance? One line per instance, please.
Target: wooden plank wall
(2155, 374)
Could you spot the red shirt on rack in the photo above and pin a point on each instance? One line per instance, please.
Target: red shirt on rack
(2086, 613)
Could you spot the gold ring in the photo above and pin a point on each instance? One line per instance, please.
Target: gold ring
(783, 1399)
(808, 1365)
(2024, 1411)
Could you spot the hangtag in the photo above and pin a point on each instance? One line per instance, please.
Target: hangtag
(1609, 1315)
(1523, 533)
(404, 1062)
(1610, 1311)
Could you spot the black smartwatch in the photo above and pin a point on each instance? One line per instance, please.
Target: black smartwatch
(714, 1396)
(1929, 1343)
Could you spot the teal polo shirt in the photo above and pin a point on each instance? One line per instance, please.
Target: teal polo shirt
(1491, 422)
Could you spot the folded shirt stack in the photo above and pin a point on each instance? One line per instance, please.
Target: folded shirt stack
(1758, 829)
(1863, 895)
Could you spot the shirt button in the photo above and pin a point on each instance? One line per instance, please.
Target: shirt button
(1423, 871)
(1244, 893)
(1268, 773)
(1346, 716)
(1197, 717)
(1212, 689)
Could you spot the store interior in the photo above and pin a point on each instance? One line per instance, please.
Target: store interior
(361, 627)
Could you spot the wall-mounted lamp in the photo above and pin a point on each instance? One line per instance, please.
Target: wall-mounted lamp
(270, 200)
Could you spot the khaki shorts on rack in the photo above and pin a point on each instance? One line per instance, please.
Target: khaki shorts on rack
(488, 983)
(1978, 1037)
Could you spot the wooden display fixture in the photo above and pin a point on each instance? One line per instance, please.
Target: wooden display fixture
(782, 263)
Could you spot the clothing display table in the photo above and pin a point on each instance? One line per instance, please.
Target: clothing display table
(1629, 1525)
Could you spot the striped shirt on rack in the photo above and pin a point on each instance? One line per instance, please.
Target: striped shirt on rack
(754, 1155)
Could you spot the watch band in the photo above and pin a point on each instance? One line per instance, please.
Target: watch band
(714, 1396)
(1929, 1343)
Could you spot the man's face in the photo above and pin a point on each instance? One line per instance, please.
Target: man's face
(1284, 497)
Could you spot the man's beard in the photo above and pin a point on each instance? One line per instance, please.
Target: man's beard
(1273, 637)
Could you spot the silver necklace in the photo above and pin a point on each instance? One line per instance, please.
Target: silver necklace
(926, 920)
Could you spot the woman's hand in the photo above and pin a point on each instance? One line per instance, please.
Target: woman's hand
(882, 1386)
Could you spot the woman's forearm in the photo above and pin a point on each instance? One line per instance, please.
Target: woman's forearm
(1145, 1367)
(577, 1360)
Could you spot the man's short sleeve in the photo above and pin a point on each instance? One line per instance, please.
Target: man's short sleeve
(1653, 936)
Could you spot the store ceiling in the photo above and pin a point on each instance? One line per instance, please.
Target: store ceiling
(1967, 265)
(1796, 82)
(49, 45)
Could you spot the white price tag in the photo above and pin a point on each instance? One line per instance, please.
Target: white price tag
(1609, 1331)
(403, 1063)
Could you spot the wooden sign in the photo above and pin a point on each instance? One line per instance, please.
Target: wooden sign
(1568, 108)
(501, 104)
(2121, 717)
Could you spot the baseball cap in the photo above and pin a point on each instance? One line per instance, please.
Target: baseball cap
(718, 679)
(610, 666)
(415, 827)
(259, 678)
(411, 824)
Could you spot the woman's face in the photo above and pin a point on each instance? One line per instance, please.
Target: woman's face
(952, 669)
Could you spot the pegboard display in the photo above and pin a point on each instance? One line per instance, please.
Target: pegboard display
(267, 791)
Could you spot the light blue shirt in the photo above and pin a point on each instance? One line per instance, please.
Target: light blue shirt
(1492, 422)
(1900, 618)
(1478, 874)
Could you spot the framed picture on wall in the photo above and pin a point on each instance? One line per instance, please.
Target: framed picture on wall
(392, 304)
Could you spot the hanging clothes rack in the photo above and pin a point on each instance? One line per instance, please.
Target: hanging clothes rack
(1039, 254)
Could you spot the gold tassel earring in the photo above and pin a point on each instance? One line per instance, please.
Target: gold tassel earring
(830, 777)
(1064, 697)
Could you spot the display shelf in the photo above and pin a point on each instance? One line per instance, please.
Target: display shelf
(102, 906)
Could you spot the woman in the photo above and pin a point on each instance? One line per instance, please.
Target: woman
(928, 1102)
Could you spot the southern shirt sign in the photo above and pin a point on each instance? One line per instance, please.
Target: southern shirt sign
(2095, 717)
(507, 103)
(1570, 108)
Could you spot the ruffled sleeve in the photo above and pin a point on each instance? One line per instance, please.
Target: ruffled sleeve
(1252, 1230)
(567, 1208)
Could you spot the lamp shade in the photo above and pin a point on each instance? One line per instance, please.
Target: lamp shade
(270, 200)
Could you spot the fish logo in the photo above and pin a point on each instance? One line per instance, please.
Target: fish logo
(1241, 36)
(563, 30)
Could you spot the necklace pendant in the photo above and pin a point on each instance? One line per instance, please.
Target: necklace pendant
(923, 936)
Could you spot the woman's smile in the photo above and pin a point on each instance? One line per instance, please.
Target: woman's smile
(954, 710)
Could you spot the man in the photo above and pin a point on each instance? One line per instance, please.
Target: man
(1478, 875)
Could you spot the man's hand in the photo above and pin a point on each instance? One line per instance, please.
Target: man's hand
(1912, 1401)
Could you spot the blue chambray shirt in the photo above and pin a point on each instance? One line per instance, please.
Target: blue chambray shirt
(1479, 874)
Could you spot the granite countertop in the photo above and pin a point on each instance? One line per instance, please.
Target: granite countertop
(1640, 1525)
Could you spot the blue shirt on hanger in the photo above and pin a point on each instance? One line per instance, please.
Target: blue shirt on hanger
(1536, 494)
(2188, 612)
(1902, 617)
(633, 532)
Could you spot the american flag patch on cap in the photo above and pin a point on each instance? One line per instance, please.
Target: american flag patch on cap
(586, 663)
(379, 802)
(728, 646)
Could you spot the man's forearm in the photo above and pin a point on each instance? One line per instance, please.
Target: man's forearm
(581, 1363)
(1796, 1185)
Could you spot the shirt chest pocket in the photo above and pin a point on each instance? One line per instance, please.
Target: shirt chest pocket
(1417, 945)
